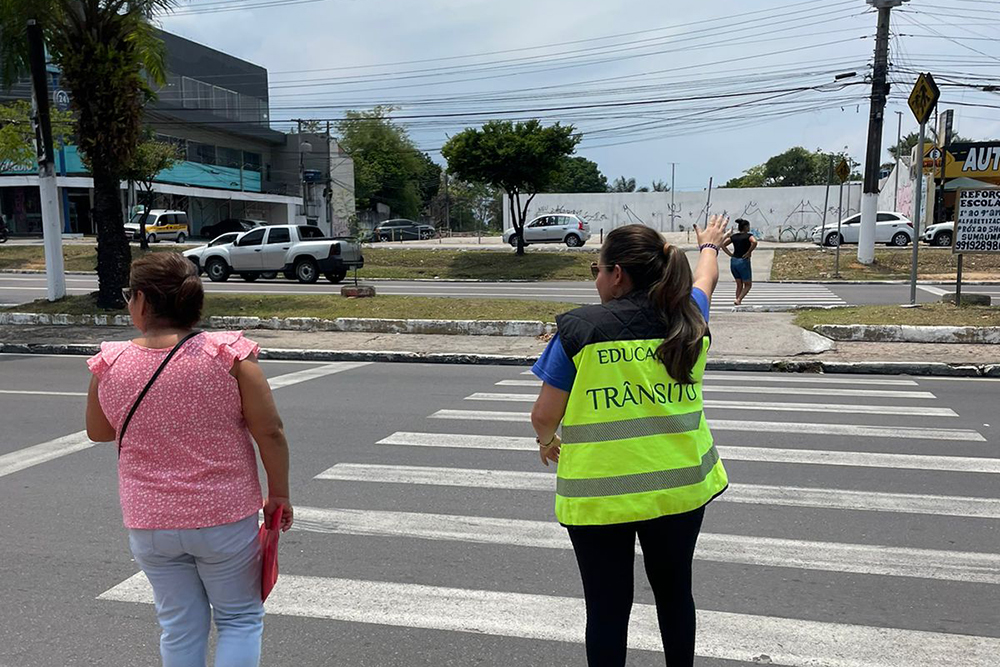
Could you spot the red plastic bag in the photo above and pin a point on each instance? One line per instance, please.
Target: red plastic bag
(269, 553)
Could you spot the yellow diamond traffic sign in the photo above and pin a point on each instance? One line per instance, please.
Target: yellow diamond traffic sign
(924, 96)
(843, 170)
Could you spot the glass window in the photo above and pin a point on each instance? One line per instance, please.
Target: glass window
(886, 217)
(189, 92)
(251, 161)
(180, 219)
(310, 233)
(228, 157)
(224, 239)
(279, 236)
(256, 237)
(166, 219)
(203, 153)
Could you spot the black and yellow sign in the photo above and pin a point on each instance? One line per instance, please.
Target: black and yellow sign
(843, 170)
(924, 97)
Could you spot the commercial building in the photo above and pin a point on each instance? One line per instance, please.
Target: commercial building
(215, 108)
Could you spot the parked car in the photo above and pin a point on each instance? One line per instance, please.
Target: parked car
(565, 228)
(229, 225)
(890, 228)
(403, 230)
(161, 225)
(300, 252)
(941, 234)
(196, 254)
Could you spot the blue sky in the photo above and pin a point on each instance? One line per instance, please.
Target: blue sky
(715, 87)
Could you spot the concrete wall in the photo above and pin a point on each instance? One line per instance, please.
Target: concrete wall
(785, 214)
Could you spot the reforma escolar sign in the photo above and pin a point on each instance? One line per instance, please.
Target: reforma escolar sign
(977, 221)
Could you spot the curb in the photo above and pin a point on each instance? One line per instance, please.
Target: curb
(896, 333)
(504, 328)
(926, 369)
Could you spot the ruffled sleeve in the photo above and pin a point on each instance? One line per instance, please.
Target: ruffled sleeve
(102, 361)
(229, 346)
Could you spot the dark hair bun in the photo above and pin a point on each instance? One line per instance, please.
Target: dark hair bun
(172, 288)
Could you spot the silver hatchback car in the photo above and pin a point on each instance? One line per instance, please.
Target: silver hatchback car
(567, 228)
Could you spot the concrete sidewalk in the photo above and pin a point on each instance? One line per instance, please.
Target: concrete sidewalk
(735, 337)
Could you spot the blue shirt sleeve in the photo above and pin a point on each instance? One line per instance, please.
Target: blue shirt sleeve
(700, 298)
(554, 367)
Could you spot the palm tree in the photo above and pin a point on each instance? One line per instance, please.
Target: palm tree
(108, 53)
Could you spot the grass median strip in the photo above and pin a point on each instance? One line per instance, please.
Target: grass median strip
(332, 306)
(890, 264)
(935, 314)
(398, 263)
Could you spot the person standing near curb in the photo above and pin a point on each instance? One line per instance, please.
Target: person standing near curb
(744, 243)
(636, 457)
(183, 406)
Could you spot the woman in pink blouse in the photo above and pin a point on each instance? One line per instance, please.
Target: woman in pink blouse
(187, 473)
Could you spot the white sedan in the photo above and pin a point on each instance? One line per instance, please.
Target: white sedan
(553, 228)
(890, 228)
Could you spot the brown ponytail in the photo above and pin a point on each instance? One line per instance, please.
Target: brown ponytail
(171, 286)
(663, 271)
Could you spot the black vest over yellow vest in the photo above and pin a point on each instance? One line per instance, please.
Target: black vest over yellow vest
(636, 445)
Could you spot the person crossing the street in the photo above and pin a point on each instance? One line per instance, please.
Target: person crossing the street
(187, 472)
(636, 457)
(744, 243)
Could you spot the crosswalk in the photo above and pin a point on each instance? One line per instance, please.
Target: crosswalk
(777, 296)
(841, 430)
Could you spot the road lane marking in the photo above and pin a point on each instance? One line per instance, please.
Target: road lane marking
(837, 408)
(792, 379)
(721, 635)
(847, 430)
(754, 494)
(962, 464)
(75, 442)
(778, 391)
(46, 451)
(26, 392)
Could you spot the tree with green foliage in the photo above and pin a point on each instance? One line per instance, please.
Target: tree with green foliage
(388, 168)
(17, 136)
(660, 186)
(910, 140)
(107, 52)
(150, 158)
(622, 184)
(578, 174)
(521, 158)
(795, 167)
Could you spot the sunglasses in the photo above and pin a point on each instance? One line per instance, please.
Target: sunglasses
(127, 294)
(595, 268)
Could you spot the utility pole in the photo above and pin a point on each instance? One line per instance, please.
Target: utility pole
(826, 200)
(447, 202)
(673, 173)
(48, 190)
(899, 148)
(880, 91)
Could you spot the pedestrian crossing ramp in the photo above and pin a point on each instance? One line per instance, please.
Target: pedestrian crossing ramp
(831, 430)
(776, 297)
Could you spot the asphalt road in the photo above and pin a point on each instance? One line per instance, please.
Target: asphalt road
(21, 288)
(861, 528)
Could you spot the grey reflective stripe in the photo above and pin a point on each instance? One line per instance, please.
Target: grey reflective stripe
(639, 482)
(627, 429)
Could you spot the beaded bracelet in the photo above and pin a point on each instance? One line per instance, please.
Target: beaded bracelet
(709, 245)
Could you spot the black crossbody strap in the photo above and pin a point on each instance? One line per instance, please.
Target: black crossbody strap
(142, 394)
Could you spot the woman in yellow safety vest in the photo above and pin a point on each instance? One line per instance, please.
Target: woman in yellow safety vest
(636, 456)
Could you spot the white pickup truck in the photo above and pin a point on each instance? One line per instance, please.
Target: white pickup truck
(300, 252)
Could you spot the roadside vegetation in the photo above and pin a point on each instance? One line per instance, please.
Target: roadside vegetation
(894, 264)
(398, 263)
(932, 314)
(331, 306)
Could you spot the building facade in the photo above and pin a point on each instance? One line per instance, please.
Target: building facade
(215, 109)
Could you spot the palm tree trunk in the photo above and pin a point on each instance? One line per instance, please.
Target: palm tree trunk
(114, 256)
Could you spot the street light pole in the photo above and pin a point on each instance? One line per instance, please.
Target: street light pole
(899, 147)
(673, 173)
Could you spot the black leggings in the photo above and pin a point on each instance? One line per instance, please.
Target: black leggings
(606, 557)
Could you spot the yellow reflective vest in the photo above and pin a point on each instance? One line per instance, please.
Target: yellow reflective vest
(636, 445)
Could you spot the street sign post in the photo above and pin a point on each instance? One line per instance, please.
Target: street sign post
(923, 99)
(977, 227)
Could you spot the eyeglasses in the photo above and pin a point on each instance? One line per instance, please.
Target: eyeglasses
(127, 294)
(595, 268)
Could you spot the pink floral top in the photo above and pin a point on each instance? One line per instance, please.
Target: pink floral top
(187, 460)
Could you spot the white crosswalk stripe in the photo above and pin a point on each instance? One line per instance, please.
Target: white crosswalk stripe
(853, 430)
(512, 613)
(721, 635)
(760, 494)
(837, 408)
(731, 452)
